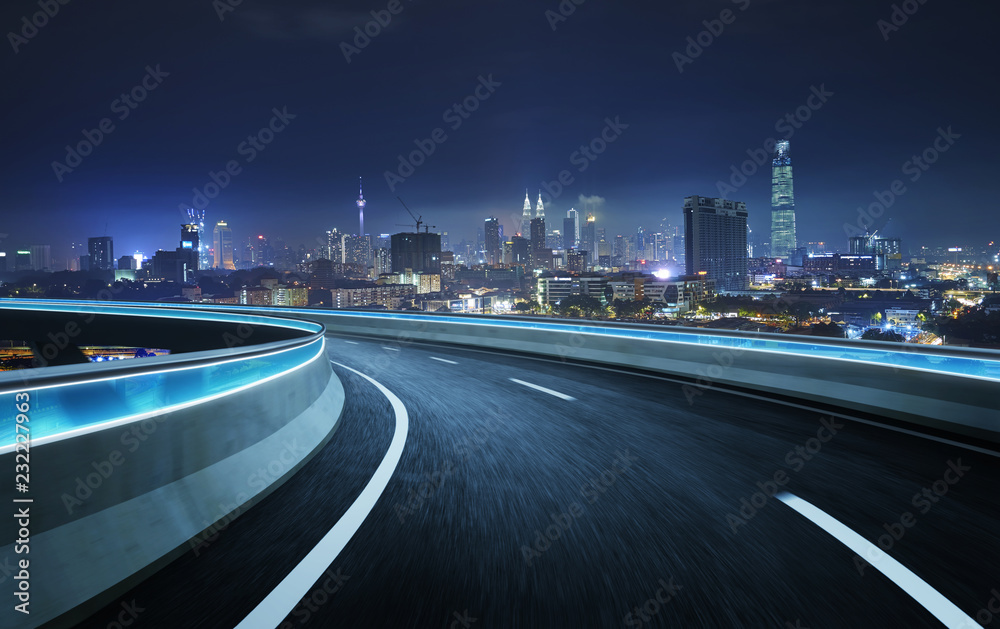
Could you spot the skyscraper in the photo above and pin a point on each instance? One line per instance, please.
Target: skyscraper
(574, 216)
(189, 237)
(782, 204)
(526, 216)
(539, 208)
(715, 241)
(492, 241)
(588, 239)
(224, 246)
(102, 253)
(568, 241)
(41, 257)
(197, 217)
(537, 242)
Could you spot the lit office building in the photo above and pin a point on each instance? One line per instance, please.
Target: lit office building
(491, 241)
(224, 246)
(715, 237)
(102, 253)
(197, 218)
(783, 241)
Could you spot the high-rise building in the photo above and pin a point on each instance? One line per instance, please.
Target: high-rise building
(383, 261)
(334, 250)
(22, 260)
(223, 246)
(189, 237)
(41, 257)
(520, 251)
(420, 252)
(603, 247)
(783, 242)
(197, 217)
(356, 250)
(588, 239)
(569, 241)
(102, 253)
(715, 239)
(537, 241)
(491, 241)
(526, 216)
(574, 217)
(539, 208)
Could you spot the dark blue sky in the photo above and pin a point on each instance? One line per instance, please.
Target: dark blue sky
(556, 89)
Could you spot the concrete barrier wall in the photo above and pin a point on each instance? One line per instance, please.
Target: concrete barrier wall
(113, 505)
(956, 403)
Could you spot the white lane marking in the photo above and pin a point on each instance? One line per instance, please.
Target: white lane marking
(559, 395)
(932, 600)
(391, 349)
(444, 360)
(351, 342)
(283, 599)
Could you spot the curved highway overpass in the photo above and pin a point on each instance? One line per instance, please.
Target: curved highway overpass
(477, 479)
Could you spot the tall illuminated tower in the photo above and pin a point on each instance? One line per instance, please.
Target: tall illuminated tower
(782, 204)
(361, 203)
(492, 239)
(223, 246)
(540, 209)
(574, 217)
(526, 216)
(198, 218)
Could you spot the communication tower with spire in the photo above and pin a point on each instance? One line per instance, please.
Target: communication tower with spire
(361, 203)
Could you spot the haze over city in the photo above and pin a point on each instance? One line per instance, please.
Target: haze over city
(549, 81)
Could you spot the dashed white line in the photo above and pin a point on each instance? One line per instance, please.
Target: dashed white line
(562, 396)
(351, 342)
(391, 349)
(444, 360)
(283, 599)
(932, 600)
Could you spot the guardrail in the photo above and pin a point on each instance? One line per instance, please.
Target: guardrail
(146, 454)
(945, 388)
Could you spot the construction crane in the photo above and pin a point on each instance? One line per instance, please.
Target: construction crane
(418, 220)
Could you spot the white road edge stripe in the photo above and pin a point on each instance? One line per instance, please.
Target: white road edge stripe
(562, 396)
(283, 599)
(444, 360)
(932, 600)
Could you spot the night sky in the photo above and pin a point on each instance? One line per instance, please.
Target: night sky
(552, 91)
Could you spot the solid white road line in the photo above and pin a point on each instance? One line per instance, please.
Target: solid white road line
(444, 360)
(559, 395)
(932, 600)
(283, 599)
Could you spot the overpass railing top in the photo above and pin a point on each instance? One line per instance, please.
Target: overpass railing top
(54, 403)
(969, 362)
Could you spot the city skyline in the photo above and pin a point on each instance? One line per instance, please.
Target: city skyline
(649, 137)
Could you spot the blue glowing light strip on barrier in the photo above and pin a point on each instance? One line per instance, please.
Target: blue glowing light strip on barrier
(69, 409)
(167, 311)
(912, 357)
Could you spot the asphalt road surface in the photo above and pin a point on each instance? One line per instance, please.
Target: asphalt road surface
(540, 493)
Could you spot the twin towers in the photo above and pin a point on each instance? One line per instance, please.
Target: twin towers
(526, 214)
